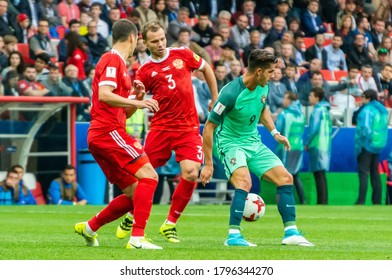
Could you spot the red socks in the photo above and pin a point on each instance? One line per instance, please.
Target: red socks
(142, 200)
(114, 210)
(181, 197)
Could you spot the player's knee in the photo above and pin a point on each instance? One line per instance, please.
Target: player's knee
(190, 174)
(244, 184)
(287, 179)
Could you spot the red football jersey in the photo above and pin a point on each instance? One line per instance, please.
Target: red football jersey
(110, 70)
(169, 81)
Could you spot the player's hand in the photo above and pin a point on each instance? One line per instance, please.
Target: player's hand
(210, 105)
(149, 103)
(140, 90)
(206, 174)
(282, 140)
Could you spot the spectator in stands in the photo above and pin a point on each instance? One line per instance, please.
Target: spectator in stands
(10, 82)
(312, 23)
(318, 51)
(287, 54)
(294, 25)
(384, 11)
(279, 26)
(290, 78)
(55, 84)
(106, 7)
(284, 10)
(74, 26)
(84, 20)
(176, 24)
(336, 59)
(299, 52)
(71, 80)
(248, 9)
(84, 5)
(384, 52)
(65, 190)
(224, 30)
(378, 32)
(318, 142)
(384, 83)
(10, 43)
(22, 192)
(184, 40)
(114, 15)
(29, 86)
(23, 30)
(202, 94)
(235, 70)
(353, 87)
(96, 43)
(8, 186)
(7, 19)
(30, 8)
(77, 53)
(134, 17)
(172, 9)
(146, 13)
(125, 7)
(48, 9)
(204, 30)
(102, 26)
(88, 82)
(267, 35)
(228, 55)
(358, 54)
(224, 18)
(366, 80)
(214, 50)
(287, 38)
(254, 44)
(160, 11)
(370, 139)
(41, 63)
(277, 92)
(347, 25)
(239, 34)
(315, 65)
(15, 62)
(41, 42)
(220, 71)
(291, 124)
(68, 11)
(363, 28)
(349, 11)
(142, 52)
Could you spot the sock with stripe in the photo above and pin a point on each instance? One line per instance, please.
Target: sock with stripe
(286, 206)
(181, 197)
(142, 200)
(114, 210)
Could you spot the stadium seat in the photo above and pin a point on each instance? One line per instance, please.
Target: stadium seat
(327, 75)
(308, 41)
(24, 49)
(61, 31)
(327, 42)
(38, 194)
(60, 64)
(339, 74)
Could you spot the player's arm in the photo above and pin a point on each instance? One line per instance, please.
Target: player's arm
(211, 81)
(208, 136)
(266, 120)
(106, 95)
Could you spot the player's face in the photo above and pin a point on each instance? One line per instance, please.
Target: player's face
(264, 75)
(156, 43)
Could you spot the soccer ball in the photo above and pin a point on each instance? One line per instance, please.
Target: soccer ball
(254, 208)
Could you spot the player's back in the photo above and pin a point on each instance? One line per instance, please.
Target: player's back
(111, 70)
(169, 81)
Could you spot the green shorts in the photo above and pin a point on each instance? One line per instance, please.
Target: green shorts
(257, 157)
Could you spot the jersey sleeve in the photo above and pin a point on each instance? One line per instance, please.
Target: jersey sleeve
(22, 86)
(194, 61)
(222, 107)
(110, 71)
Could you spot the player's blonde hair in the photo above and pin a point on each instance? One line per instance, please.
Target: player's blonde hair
(152, 26)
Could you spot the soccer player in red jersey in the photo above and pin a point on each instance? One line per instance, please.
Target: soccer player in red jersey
(120, 156)
(167, 76)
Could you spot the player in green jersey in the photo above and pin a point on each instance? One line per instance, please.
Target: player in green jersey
(240, 106)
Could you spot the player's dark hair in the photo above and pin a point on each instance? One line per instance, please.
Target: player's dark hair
(370, 94)
(152, 26)
(122, 29)
(259, 58)
(318, 92)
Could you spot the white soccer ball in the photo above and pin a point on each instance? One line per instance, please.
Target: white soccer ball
(254, 208)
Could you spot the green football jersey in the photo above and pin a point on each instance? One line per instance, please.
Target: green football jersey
(237, 113)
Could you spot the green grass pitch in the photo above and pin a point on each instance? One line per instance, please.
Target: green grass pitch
(339, 233)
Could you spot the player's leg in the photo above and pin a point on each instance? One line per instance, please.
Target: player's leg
(142, 199)
(235, 162)
(188, 149)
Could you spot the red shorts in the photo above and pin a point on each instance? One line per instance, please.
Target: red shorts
(119, 155)
(160, 143)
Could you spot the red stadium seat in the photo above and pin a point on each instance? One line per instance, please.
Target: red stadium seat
(38, 195)
(24, 49)
(339, 74)
(327, 75)
(61, 31)
(327, 42)
(308, 41)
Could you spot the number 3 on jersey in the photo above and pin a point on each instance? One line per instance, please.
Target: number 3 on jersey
(172, 83)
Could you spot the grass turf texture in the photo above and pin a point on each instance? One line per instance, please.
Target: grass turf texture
(339, 233)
